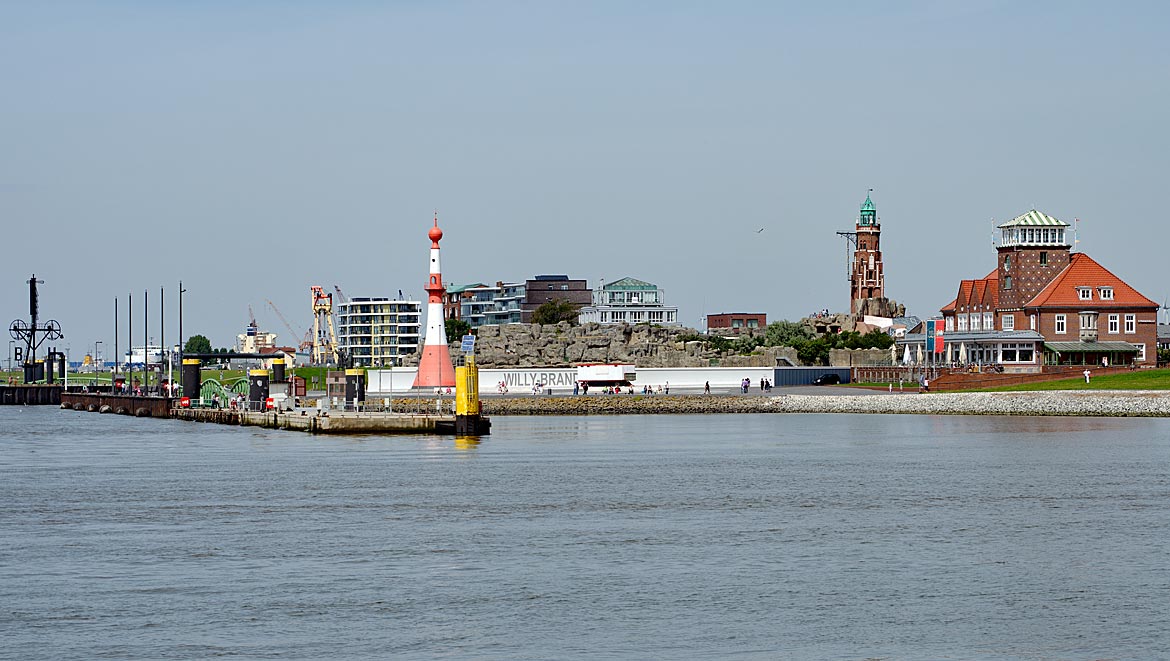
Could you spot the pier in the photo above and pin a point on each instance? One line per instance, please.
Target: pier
(335, 422)
(306, 420)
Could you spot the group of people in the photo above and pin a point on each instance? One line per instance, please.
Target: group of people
(235, 402)
(745, 386)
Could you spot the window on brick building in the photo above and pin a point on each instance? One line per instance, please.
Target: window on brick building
(1007, 261)
(1114, 323)
(1032, 321)
(1009, 322)
(1131, 323)
(1141, 354)
(1058, 321)
(1043, 258)
(1007, 282)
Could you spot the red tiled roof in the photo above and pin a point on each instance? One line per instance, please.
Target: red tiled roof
(965, 287)
(976, 292)
(1084, 271)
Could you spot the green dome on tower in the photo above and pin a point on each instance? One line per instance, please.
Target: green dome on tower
(868, 212)
(867, 205)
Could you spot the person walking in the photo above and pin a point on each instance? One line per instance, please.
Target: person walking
(707, 388)
(1087, 374)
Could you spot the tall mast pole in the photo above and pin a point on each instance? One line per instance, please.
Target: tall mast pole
(117, 356)
(130, 340)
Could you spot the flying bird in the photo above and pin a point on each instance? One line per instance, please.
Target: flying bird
(759, 230)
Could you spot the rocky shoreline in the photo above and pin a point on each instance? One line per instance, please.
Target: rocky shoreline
(1137, 403)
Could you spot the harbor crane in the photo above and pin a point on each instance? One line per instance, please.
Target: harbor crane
(324, 336)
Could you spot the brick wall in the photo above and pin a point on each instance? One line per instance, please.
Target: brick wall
(1028, 275)
(967, 381)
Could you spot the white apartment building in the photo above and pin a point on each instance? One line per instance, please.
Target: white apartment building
(629, 301)
(378, 331)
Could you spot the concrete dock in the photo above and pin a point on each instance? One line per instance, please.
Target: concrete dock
(335, 422)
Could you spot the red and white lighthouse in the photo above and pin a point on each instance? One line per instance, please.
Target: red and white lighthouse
(435, 369)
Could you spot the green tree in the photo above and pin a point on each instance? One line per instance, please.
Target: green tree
(554, 312)
(786, 334)
(456, 329)
(197, 344)
(814, 352)
(877, 339)
(746, 344)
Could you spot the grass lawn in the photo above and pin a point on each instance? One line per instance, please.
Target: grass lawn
(1156, 379)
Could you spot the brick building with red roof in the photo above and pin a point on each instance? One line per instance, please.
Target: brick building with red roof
(1042, 293)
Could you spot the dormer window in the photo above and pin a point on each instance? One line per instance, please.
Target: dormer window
(1106, 293)
(1085, 293)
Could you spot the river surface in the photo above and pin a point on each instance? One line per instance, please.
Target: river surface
(750, 537)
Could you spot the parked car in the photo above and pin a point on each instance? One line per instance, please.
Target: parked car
(827, 380)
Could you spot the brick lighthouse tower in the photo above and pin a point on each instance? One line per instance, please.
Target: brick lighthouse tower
(868, 279)
(435, 369)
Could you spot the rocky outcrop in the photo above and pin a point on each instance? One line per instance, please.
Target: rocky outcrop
(878, 307)
(532, 345)
(564, 345)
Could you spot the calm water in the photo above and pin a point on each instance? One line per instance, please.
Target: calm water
(763, 536)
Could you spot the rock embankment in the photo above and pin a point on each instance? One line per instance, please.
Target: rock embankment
(1060, 403)
(563, 345)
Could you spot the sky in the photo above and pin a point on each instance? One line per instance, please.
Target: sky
(253, 149)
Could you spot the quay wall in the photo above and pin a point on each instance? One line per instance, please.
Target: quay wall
(334, 423)
(1050, 403)
(143, 407)
(30, 394)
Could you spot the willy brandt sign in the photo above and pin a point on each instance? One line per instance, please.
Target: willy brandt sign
(525, 379)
